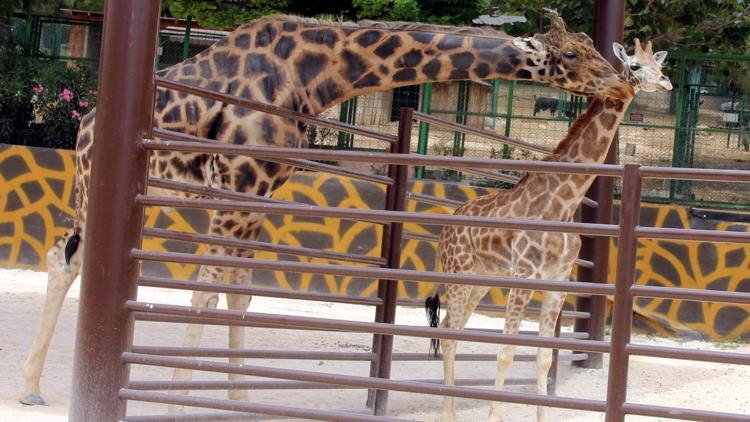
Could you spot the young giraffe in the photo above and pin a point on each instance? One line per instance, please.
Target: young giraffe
(308, 66)
(531, 254)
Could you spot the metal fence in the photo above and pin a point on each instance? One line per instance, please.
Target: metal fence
(108, 298)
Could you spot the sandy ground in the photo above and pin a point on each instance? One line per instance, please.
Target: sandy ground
(656, 381)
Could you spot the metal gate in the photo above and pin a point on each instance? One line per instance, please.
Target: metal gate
(104, 349)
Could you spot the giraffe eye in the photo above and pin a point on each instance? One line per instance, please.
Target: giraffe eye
(570, 54)
(634, 66)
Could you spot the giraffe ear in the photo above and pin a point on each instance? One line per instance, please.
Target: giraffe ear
(659, 57)
(620, 52)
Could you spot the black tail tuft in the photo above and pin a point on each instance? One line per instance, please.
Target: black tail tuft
(432, 309)
(71, 247)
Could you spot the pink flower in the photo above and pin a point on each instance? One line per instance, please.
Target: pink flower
(66, 95)
(38, 89)
(76, 115)
(83, 104)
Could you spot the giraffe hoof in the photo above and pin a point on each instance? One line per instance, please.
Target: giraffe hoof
(33, 400)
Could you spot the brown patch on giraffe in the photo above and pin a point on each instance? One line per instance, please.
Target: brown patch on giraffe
(608, 120)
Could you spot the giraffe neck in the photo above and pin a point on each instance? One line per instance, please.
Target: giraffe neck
(371, 60)
(557, 196)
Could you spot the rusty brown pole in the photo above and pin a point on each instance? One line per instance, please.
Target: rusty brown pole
(119, 171)
(622, 314)
(388, 289)
(609, 21)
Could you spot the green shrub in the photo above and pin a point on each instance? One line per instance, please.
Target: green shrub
(42, 101)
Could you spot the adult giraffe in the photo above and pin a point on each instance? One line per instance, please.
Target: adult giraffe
(532, 254)
(308, 66)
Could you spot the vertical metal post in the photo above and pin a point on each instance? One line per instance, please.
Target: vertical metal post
(677, 148)
(493, 102)
(186, 38)
(114, 222)
(29, 26)
(617, 380)
(508, 117)
(424, 128)
(388, 289)
(608, 28)
(462, 107)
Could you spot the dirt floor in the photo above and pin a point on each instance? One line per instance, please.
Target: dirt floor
(656, 381)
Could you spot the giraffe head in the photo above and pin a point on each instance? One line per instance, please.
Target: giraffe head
(573, 64)
(643, 69)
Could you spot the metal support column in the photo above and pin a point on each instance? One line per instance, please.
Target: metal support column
(424, 127)
(113, 228)
(617, 380)
(508, 117)
(186, 38)
(391, 251)
(608, 28)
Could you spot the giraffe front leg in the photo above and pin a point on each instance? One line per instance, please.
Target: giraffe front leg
(249, 229)
(518, 300)
(456, 297)
(551, 306)
(243, 277)
(200, 299)
(60, 276)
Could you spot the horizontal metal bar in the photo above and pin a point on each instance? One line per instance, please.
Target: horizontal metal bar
(277, 111)
(682, 414)
(714, 356)
(296, 162)
(699, 295)
(201, 417)
(245, 406)
(488, 174)
(262, 246)
(692, 234)
(157, 182)
(488, 134)
(685, 173)
(366, 382)
(260, 152)
(423, 237)
(434, 200)
(376, 273)
(229, 316)
(213, 321)
(210, 352)
(298, 385)
(591, 229)
(168, 283)
(418, 303)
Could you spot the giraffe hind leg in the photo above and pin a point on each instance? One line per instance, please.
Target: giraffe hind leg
(63, 266)
(552, 304)
(518, 300)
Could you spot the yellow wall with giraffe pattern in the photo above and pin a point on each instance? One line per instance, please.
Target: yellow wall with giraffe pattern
(36, 187)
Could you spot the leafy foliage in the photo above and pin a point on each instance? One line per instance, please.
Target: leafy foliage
(42, 102)
(700, 25)
(394, 10)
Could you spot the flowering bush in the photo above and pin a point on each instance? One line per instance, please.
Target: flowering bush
(42, 102)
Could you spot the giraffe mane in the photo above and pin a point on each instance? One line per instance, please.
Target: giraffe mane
(389, 26)
(573, 133)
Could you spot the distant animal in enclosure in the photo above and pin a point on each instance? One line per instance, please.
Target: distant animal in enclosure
(745, 142)
(308, 66)
(533, 254)
(545, 103)
(551, 104)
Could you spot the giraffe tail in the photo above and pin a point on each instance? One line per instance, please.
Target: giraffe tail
(71, 246)
(432, 309)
